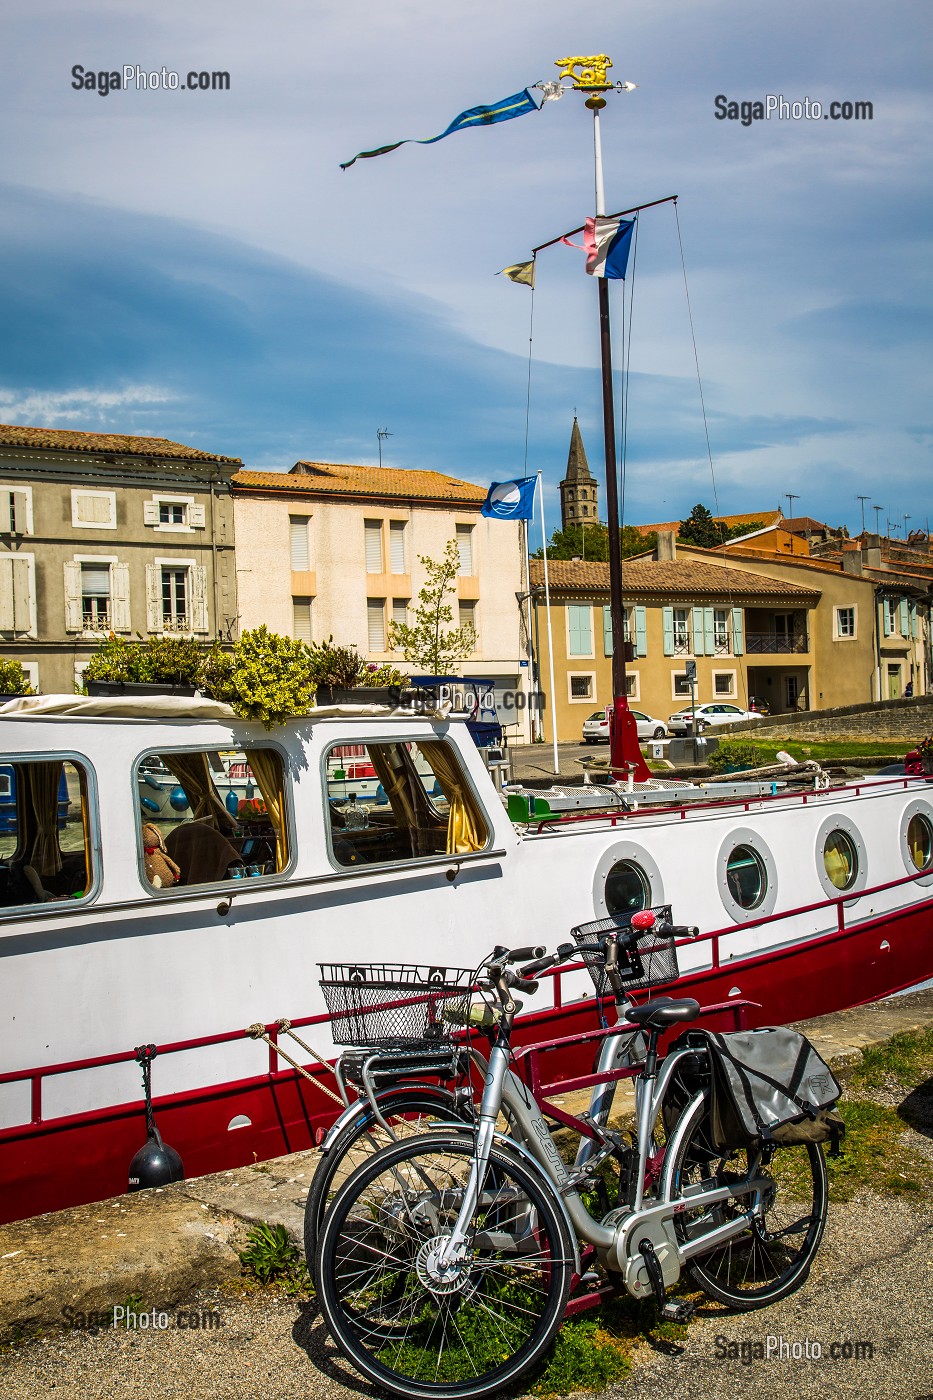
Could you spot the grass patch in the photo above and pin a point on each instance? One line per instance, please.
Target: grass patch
(595, 1349)
(874, 1157)
(831, 751)
(906, 1061)
(271, 1256)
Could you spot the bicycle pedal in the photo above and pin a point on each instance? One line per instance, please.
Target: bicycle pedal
(678, 1310)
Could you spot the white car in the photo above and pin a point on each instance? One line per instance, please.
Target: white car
(715, 713)
(596, 728)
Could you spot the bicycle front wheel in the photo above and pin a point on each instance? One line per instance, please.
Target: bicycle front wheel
(771, 1257)
(415, 1326)
(409, 1112)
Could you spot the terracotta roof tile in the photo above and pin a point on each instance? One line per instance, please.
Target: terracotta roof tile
(69, 440)
(670, 578)
(760, 517)
(339, 479)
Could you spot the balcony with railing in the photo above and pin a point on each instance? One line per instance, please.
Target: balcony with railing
(771, 643)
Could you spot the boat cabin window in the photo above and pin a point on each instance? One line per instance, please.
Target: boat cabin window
(627, 888)
(746, 877)
(207, 816)
(840, 859)
(920, 841)
(45, 838)
(389, 802)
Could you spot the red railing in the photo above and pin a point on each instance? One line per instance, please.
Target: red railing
(36, 1076)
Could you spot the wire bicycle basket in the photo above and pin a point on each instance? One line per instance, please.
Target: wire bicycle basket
(395, 1005)
(650, 963)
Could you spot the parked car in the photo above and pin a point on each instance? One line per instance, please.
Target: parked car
(596, 728)
(758, 706)
(715, 713)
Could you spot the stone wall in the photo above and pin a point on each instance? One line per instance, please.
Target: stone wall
(909, 720)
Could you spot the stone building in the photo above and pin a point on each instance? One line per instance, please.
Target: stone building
(579, 491)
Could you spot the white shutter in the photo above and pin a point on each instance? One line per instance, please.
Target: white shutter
(6, 593)
(72, 596)
(376, 624)
(301, 619)
(298, 532)
(400, 611)
(150, 512)
(22, 595)
(198, 583)
(93, 507)
(373, 530)
(397, 546)
(465, 550)
(19, 512)
(7, 522)
(197, 517)
(120, 597)
(153, 598)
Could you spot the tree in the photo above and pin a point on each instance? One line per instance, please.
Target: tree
(427, 644)
(700, 529)
(591, 542)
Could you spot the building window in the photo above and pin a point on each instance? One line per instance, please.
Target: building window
(465, 550)
(18, 594)
(175, 600)
(397, 561)
(467, 618)
(178, 514)
(16, 510)
(301, 619)
(681, 631)
(845, 623)
(94, 510)
(298, 543)
(172, 513)
(95, 597)
(723, 682)
(579, 629)
(176, 596)
(582, 687)
(891, 609)
(721, 633)
(372, 530)
(681, 684)
(400, 612)
(631, 685)
(97, 594)
(376, 624)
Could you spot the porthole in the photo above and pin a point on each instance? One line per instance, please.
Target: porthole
(626, 879)
(840, 856)
(916, 839)
(746, 876)
(627, 888)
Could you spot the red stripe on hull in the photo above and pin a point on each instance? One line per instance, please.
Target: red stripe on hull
(71, 1161)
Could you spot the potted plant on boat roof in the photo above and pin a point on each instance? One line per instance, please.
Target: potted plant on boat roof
(13, 680)
(162, 665)
(341, 675)
(266, 676)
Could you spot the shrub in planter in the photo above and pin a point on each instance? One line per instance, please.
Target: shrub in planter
(733, 754)
(116, 659)
(13, 679)
(269, 678)
(174, 660)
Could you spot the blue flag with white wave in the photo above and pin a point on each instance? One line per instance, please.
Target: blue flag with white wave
(511, 500)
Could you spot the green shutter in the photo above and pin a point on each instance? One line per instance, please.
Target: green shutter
(697, 622)
(709, 631)
(905, 618)
(580, 629)
(886, 614)
(641, 632)
(667, 625)
(738, 632)
(607, 631)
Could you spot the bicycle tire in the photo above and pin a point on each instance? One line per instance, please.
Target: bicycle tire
(396, 1322)
(771, 1258)
(408, 1109)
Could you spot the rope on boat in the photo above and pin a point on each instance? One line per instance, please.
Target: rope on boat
(258, 1032)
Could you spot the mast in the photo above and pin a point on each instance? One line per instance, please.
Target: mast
(625, 754)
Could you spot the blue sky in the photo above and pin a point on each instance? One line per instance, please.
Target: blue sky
(195, 264)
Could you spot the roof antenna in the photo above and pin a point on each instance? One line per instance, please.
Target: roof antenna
(380, 434)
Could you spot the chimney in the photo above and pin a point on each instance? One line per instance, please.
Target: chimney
(852, 561)
(667, 545)
(871, 557)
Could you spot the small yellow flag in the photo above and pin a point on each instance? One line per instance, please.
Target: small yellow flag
(520, 272)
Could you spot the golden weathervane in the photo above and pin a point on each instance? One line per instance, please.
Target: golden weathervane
(592, 72)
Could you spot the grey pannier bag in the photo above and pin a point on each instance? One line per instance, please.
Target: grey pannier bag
(768, 1086)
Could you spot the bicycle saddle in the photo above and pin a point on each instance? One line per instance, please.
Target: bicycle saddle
(663, 1011)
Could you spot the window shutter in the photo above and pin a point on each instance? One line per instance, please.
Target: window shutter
(19, 512)
(196, 516)
(667, 625)
(21, 583)
(93, 509)
(72, 596)
(465, 550)
(373, 546)
(376, 624)
(397, 546)
(150, 512)
(6, 593)
(905, 619)
(709, 631)
(738, 632)
(7, 521)
(698, 639)
(198, 579)
(120, 597)
(641, 631)
(607, 631)
(914, 621)
(301, 619)
(298, 534)
(579, 621)
(888, 617)
(153, 598)
(400, 611)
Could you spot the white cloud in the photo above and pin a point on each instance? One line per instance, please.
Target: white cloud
(80, 406)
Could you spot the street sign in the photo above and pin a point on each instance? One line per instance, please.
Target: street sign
(690, 668)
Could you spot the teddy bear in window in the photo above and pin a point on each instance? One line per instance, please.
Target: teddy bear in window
(161, 870)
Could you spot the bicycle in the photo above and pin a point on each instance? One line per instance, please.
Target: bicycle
(446, 1263)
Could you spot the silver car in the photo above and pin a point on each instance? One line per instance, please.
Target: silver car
(596, 728)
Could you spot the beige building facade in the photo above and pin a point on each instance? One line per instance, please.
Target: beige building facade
(105, 532)
(328, 550)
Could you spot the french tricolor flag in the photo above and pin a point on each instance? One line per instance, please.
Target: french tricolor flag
(607, 242)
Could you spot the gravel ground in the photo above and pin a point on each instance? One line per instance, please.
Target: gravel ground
(872, 1282)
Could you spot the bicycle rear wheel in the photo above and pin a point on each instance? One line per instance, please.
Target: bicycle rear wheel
(400, 1318)
(409, 1111)
(772, 1256)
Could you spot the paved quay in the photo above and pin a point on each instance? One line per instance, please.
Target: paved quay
(175, 1249)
